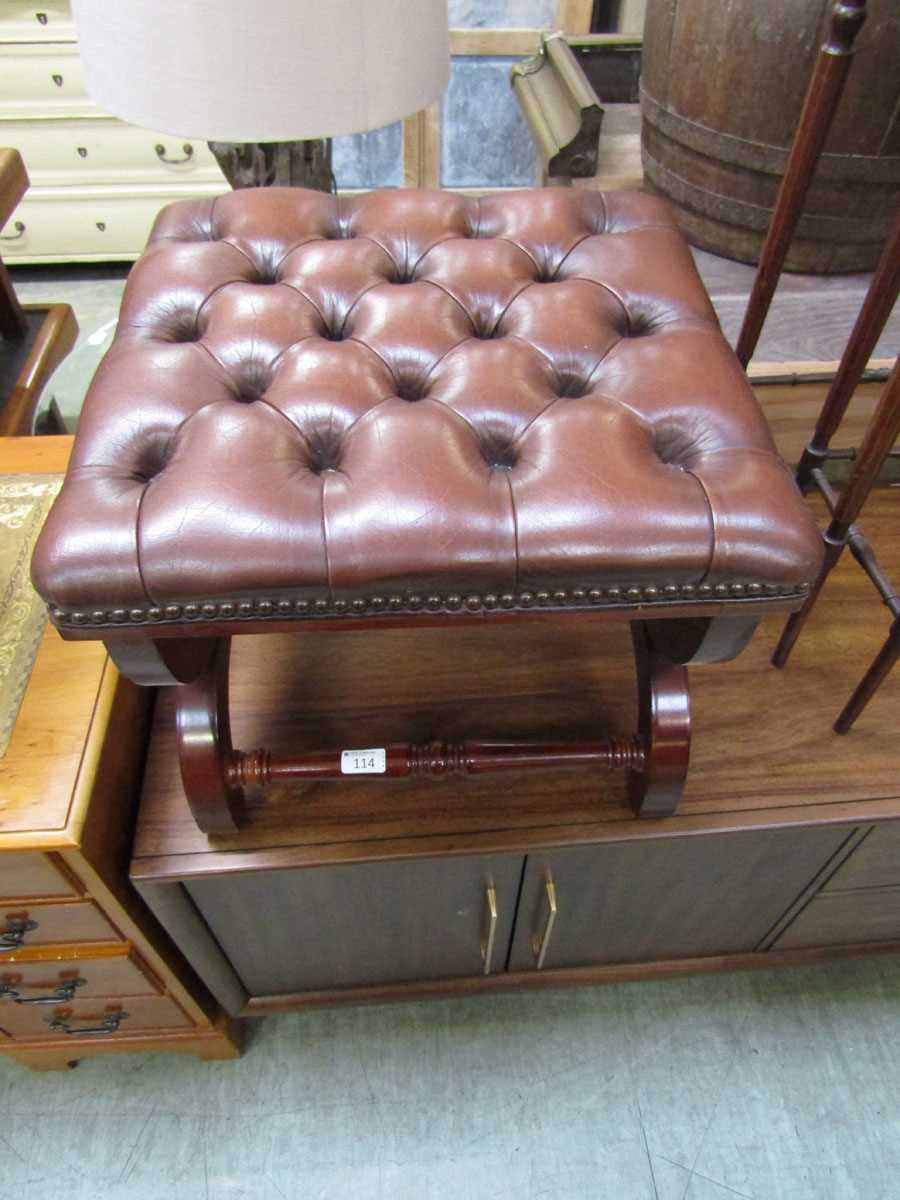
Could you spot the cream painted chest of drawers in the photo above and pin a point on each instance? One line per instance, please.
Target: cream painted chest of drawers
(97, 183)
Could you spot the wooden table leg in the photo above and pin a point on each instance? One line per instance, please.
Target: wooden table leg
(825, 88)
(880, 436)
(877, 307)
(871, 681)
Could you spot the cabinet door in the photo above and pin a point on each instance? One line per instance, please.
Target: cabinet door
(329, 927)
(647, 900)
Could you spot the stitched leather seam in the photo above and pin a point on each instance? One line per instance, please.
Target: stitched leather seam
(137, 541)
(515, 520)
(510, 303)
(324, 482)
(459, 304)
(300, 292)
(712, 526)
(537, 416)
(571, 250)
(605, 212)
(437, 362)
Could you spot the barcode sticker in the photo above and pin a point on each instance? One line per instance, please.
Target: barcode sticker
(363, 762)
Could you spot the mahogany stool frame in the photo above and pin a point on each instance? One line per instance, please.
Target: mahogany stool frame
(655, 758)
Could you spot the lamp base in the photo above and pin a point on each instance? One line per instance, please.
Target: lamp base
(276, 164)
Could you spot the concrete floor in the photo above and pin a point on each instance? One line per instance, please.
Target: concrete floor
(771, 1085)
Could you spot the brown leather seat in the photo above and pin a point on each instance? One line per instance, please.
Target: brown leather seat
(413, 401)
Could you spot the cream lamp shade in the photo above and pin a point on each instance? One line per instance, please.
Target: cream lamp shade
(263, 71)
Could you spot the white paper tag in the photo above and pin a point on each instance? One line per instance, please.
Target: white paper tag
(363, 762)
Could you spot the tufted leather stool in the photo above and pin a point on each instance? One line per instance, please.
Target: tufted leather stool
(409, 407)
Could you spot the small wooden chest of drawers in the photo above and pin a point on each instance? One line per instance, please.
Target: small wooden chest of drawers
(97, 183)
(84, 966)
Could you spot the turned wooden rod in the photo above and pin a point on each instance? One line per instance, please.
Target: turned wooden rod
(861, 548)
(819, 107)
(880, 436)
(435, 759)
(877, 307)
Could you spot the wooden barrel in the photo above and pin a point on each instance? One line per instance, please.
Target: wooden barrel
(722, 86)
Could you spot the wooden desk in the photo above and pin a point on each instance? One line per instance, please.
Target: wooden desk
(68, 786)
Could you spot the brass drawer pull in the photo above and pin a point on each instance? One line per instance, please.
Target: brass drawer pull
(82, 151)
(41, 18)
(109, 1024)
(187, 150)
(57, 79)
(490, 932)
(19, 227)
(540, 941)
(65, 991)
(13, 936)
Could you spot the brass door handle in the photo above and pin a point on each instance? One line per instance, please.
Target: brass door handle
(13, 936)
(490, 927)
(65, 991)
(187, 150)
(540, 941)
(19, 227)
(109, 1024)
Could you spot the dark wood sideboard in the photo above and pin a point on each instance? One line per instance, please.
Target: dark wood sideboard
(785, 849)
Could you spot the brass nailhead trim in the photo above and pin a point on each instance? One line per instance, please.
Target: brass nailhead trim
(228, 610)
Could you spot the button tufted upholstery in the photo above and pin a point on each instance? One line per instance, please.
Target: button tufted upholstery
(417, 400)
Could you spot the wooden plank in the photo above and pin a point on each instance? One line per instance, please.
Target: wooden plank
(13, 182)
(413, 148)
(431, 146)
(832, 918)
(36, 456)
(495, 42)
(574, 16)
(791, 410)
(55, 338)
(875, 864)
(514, 981)
(422, 148)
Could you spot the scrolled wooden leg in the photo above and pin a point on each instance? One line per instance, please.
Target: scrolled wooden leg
(664, 728)
(205, 753)
(161, 662)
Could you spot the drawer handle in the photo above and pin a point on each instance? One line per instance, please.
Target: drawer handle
(64, 992)
(101, 225)
(82, 151)
(13, 936)
(57, 79)
(19, 227)
(109, 1024)
(540, 941)
(187, 149)
(41, 18)
(490, 931)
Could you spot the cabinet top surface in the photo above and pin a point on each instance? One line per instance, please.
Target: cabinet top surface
(763, 753)
(46, 773)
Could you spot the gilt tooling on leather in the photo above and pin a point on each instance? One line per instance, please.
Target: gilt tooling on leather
(415, 395)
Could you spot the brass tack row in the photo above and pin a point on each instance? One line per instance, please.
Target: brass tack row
(236, 610)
